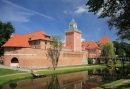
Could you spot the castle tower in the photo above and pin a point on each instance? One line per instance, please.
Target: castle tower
(73, 37)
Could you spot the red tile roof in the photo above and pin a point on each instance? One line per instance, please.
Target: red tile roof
(104, 40)
(40, 35)
(22, 40)
(17, 41)
(89, 45)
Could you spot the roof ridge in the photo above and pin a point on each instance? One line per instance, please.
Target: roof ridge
(35, 32)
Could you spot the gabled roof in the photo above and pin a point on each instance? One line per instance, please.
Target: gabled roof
(104, 40)
(89, 45)
(39, 35)
(17, 41)
(22, 40)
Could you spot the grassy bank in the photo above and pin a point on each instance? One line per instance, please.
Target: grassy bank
(7, 75)
(64, 71)
(16, 75)
(119, 84)
(6, 79)
(8, 71)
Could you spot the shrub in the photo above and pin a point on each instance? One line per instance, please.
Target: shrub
(90, 61)
(118, 62)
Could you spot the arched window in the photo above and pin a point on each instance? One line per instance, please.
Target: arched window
(14, 60)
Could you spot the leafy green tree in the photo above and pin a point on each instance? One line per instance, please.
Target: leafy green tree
(122, 48)
(6, 29)
(107, 50)
(54, 50)
(118, 12)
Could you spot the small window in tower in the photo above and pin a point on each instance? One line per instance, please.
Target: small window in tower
(69, 38)
(69, 42)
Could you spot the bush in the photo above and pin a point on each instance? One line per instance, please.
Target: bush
(118, 62)
(90, 61)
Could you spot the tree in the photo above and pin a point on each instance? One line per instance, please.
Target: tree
(107, 50)
(118, 12)
(6, 29)
(54, 50)
(122, 48)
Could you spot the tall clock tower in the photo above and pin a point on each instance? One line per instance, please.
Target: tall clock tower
(73, 37)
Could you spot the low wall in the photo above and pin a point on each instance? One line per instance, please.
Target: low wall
(37, 57)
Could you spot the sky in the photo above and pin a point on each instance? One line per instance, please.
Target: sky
(54, 16)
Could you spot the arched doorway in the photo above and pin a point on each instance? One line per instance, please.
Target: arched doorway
(14, 62)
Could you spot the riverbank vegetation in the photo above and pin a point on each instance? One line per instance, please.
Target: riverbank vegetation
(14, 75)
(8, 71)
(119, 84)
(17, 75)
(70, 70)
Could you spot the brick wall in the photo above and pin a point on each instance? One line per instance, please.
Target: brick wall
(38, 57)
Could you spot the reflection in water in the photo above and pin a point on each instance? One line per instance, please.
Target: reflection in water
(0, 87)
(78, 80)
(13, 85)
(53, 84)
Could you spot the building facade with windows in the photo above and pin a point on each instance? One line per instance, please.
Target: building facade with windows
(73, 37)
(27, 50)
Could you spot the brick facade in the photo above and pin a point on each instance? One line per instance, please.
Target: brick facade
(29, 57)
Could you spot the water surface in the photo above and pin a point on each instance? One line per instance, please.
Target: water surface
(77, 80)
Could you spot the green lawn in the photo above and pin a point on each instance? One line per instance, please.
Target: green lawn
(70, 70)
(17, 75)
(6, 79)
(10, 75)
(8, 71)
(118, 84)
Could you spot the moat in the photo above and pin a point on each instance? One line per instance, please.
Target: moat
(77, 80)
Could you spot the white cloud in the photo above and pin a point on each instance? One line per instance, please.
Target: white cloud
(77, 10)
(82, 40)
(14, 12)
(81, 9)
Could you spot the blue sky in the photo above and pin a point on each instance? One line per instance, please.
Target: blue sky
(54, 16)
